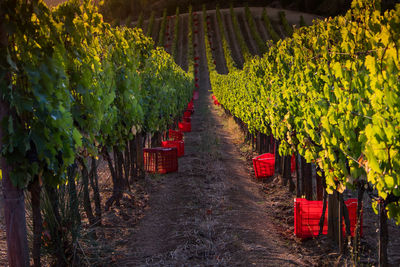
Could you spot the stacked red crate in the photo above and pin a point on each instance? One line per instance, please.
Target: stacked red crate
(185, 126)
(160, 160)
(179, 145)
(175, 135)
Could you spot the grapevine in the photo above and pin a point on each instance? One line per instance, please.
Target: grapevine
(272, 33)
(230, 63)
(330, 92)
(162, 28)
(285, 23)
(151, 24)
(256, 35)
(243, 46)
(72, 99)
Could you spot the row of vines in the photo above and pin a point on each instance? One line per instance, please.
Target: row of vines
(73, 90)
(329, 93)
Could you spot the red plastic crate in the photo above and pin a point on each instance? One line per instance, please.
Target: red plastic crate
(216, 102)
(306, 218)
(264, 165)
(187, 119)
(352, 208)
(293, 163)
(160, 160)
(190, 105)
(187, 113)
(214, 97)
(185, 126)
(175, 135)
(180, 146)
(307, 214)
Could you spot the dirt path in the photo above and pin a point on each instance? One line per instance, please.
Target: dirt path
(3, 241)
(210, 212)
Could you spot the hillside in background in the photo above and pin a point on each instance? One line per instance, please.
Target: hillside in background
(124, 8)
(131, 10)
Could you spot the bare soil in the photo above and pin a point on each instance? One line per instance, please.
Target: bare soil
(3, 244)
